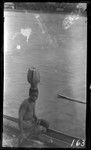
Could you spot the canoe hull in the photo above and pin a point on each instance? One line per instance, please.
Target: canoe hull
(51, 138)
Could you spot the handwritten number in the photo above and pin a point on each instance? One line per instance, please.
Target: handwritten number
(72, 143)
(78, 143)
(83, 143)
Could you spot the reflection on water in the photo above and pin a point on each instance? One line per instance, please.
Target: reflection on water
(69, 20)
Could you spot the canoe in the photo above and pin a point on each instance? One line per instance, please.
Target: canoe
(50, 138)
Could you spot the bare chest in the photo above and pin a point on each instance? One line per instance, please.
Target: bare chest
(29, 111)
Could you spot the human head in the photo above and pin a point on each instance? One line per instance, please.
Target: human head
(33, 93)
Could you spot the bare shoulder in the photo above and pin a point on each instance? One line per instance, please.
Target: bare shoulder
(24, 104)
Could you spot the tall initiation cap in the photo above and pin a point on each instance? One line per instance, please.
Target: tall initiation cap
(33, 76)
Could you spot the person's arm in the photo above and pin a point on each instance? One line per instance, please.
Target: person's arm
(21, 115)
(34, 115)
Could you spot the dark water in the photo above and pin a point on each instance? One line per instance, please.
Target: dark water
(60, 56)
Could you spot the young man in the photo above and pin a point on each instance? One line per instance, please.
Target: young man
(27, 117)
(28, 122)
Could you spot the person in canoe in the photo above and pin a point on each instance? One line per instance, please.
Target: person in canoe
(29, 124)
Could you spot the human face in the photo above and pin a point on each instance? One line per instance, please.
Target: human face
(34, 95)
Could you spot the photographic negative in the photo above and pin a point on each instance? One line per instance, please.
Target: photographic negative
(45, 56)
